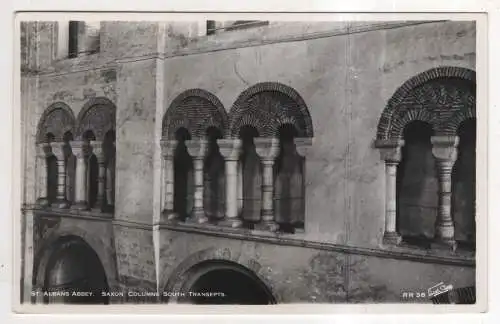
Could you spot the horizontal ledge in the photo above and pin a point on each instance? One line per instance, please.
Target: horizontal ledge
(82, 214)
(287, 240)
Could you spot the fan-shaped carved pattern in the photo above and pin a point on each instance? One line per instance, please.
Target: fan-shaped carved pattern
(97, 115)
(267, 106)
(443, 97)
(57, 119)
(196, 110)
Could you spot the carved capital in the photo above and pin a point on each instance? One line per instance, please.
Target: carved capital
(390, 149)
(168, 148)
(197, 148)
(267, 148)
(444, 148)
(79, 148)
(43, 150)
(303, 145)
(230, 149)
(58, 149)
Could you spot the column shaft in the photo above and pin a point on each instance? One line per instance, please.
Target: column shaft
(168, 152)
(80, 150)
(42, 171)
(267, 149)
(390, 152)
(445, 151)
(198, 149)
(97, 149)
(59, 152)
(230, 150)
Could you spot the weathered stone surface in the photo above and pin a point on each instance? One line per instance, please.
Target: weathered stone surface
(345, 80)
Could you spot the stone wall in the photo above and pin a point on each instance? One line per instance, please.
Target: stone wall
(345, 72)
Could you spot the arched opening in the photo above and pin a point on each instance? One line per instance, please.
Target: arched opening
(464, 185)
(214, 190)
(228, 282)
(52, 172)
(289, 182)
(251, 177)
(417, 186)
(72, 270)
(70, 162)
(92, 171)
(109, 148)
(183, 176)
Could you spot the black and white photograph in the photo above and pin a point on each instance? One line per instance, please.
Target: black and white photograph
(248, 162)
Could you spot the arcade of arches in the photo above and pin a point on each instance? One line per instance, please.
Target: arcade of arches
(246, 169)
(76, 157)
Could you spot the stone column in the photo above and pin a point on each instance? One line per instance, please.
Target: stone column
(168, 152)
(390, 152)
(80, 150)
(58, 149)
(110, 181)
(267, 149)
(302, 147)
(230, 149)
(101, 176)
(198, 150)
(445, 151)
(43, 150)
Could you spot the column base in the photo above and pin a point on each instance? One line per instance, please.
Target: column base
(80, 205)
(169, 216)
(197, 217)
(231, 222)
(392, 238)
(43, 202)
(444, 244)
(61, 203)
(268, 226)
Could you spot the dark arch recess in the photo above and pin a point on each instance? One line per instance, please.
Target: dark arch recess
(390, 119)
(57, 119)
(98, 115)
(268, 122)
(196, 110)
(48, 254)
(192, 276)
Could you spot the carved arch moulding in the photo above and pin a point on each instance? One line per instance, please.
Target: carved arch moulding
(57, 120)
(195, 110)
(443, 97)
(97, 115)
(268, 105)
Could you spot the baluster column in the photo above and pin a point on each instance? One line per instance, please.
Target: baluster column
(59, 151)
(445, 152)
(80, 150)
(110, 181)
(43, 150)
(198, 150)
(168, 152)
(98, 151)
(267, 149)
(303, 146)
(230, 149)
(390, 152)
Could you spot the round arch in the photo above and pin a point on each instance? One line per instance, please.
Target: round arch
(283, 105)
(57, 119)
(204, 261)
(459, 100)
(97, 115)
(51, 242)
(196, 110)
(231, 282)
(71, 264)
